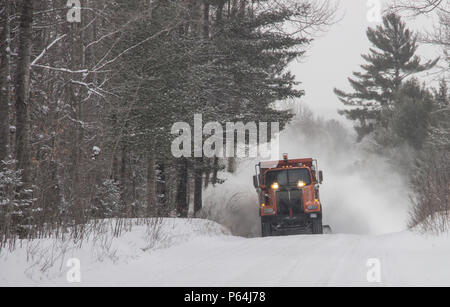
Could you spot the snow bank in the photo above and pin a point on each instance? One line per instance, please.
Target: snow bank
(193, 253)
(44, 261)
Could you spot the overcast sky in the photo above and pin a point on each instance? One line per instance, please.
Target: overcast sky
(336, 54)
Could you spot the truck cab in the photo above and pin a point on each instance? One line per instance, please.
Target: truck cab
(289, 199)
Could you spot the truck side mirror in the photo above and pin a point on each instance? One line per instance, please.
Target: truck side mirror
(255, 181)
(320, 177)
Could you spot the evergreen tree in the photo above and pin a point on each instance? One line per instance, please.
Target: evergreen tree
(411, 116)
(230, 69)
(442, 96)
(389, 63)
(440, 116)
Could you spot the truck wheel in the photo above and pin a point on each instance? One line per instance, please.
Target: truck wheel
(266, 230)
(317, 228)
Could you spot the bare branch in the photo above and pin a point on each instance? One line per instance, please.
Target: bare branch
(46, 49)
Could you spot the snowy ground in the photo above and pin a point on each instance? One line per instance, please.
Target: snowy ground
(202, 253)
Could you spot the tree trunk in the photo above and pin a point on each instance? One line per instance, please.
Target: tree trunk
(191, 186)
(182, 184)
(234, 8)
(124, 195)
(206, 7)
(161, 191)
(231, 166)
(207, 172)
(219, 12)
(215, 170)
(198, 185)
(4, 85)
(196, 17)
(151, 186)
(22, 91)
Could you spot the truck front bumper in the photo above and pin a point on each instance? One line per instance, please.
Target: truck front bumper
(299, 223)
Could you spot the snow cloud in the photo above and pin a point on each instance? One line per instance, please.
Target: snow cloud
(361, 194)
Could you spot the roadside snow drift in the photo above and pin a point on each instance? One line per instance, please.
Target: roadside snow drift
(201, 253)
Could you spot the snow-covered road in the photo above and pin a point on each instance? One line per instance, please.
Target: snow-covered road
(194, 255)
(330, 260)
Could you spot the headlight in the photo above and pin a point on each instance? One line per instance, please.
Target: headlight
(301, 184)
(275, 186)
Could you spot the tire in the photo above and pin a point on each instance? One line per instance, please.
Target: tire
(317, 227)
(266, 230)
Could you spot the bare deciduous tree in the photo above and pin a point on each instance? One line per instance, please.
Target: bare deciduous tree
(4, 82)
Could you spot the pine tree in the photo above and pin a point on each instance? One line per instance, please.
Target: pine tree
(389, 63)
(411, 117)
(230, 68)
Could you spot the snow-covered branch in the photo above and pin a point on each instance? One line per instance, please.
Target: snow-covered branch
(62, 69)
(41, 55)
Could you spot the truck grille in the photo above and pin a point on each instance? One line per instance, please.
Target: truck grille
(290, 199)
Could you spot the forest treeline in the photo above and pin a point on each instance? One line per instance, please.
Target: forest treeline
(429, 109)
(400, 105)
(87, 107)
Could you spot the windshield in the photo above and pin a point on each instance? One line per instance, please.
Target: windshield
(288, 177)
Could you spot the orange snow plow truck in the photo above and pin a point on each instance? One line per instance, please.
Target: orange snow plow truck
(289, 196)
